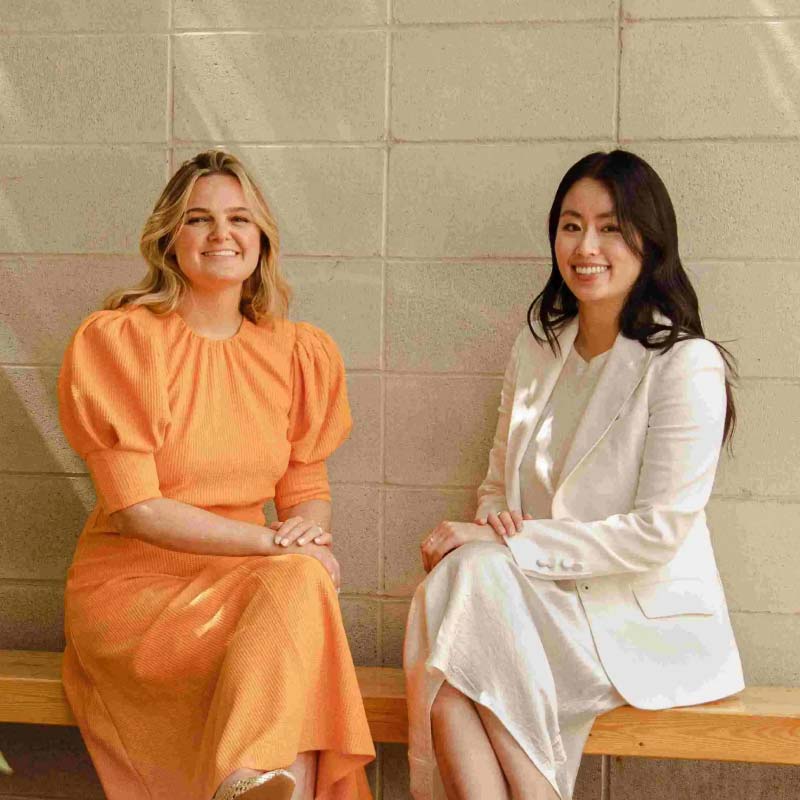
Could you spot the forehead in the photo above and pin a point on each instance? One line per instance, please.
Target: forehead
(588, 197)
(220, 190)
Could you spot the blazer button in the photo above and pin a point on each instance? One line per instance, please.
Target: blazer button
(544, 563)
(571, 566)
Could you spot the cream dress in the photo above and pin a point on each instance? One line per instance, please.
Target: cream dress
(518, 645)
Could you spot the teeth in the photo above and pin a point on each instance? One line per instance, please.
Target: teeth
(590, 270)
(219, 253)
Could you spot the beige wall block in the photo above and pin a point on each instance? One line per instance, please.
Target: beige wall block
(360, 617)
(733, 295)
(48, 761)
(410, 515)
(84, 89)
(766, 442)
(644, 9)
(457, 317)
(279, 87)
(756, 548)
(709, 80)
(735, 200)
(475, 200)
(270, 14)
(356, 528)
(439, 429)
(328, 200)
(393, 632)
(770, 647)
(526, 83)
(346, 300)
(78, 15)
(359, 459)
(46, 297)
(501, 10)
(33, 616)
(77, 199)
(659, 779)
(42, 517)
(29, 426)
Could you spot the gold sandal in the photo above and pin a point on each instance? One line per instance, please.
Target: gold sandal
(278, 784)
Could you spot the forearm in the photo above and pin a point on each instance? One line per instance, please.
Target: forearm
(178, 526)
(317, 510)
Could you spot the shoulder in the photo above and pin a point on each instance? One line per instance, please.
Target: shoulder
(313, 342)
(130, 321)
(689, 355)
(131, 335)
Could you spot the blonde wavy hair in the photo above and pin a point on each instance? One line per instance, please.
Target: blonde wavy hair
(265, 294)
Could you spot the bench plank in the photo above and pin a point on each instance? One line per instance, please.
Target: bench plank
(760, 725)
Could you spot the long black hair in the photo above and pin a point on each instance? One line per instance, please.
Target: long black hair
(648, 225)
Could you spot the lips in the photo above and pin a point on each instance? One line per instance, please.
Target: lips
(220, 253)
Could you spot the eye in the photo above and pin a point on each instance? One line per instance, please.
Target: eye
(241, 220)
(195, 220)
(570, 227)
(611, 228)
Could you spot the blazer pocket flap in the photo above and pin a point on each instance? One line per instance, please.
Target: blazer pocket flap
(672, 598)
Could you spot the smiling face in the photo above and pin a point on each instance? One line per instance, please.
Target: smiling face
(594, 259)
(219, 244)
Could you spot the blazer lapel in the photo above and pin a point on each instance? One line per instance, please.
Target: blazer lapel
(624, 370)
(537, 374)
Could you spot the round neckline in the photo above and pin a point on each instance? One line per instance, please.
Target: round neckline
(207, 339)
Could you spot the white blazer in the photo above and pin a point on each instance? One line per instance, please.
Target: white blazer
(628, 519)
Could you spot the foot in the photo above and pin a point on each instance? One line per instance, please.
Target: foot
(249, 784)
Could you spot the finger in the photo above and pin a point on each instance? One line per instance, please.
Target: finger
(508, 523)
(305, 533)
(480, 521)
(497, 526)
(516, 518)
(527, 517)
(286, 533)
(325, 539)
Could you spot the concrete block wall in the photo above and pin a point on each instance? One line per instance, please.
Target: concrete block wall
(410, 150)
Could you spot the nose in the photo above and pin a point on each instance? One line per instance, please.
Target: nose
(219, 231)
(589, 244)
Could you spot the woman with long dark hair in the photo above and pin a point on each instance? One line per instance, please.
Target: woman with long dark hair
(587, 579)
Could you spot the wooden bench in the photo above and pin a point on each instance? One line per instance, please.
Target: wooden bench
(760, 725)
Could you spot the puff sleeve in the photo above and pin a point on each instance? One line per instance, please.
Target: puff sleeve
(113, 407)
(319, 418)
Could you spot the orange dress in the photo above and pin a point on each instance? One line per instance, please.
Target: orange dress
(181, 668)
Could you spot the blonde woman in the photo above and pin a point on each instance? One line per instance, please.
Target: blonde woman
(205, 651)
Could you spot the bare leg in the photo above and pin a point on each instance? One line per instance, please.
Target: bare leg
(467, 762)
(305, 773)
(525, 780)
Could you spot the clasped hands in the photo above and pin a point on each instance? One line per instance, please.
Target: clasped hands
(314, 541)
(448, 535)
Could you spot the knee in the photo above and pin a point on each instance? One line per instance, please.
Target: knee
(303, 574)
(447, 698)
(479, 557)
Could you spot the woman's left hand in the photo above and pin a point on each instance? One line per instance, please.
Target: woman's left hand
(300, 531)
(447, 536)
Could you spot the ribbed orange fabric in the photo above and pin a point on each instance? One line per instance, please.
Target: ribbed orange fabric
(181, 668)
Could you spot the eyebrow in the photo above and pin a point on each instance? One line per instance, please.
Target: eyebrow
(227, 210)
(568, 212)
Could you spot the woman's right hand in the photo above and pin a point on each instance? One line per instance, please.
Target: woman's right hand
(504, 523)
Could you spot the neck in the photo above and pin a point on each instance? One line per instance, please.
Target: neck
(597, 330)
(213, 314)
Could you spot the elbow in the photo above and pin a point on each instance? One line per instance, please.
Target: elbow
(663, 533)
(134, 520)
